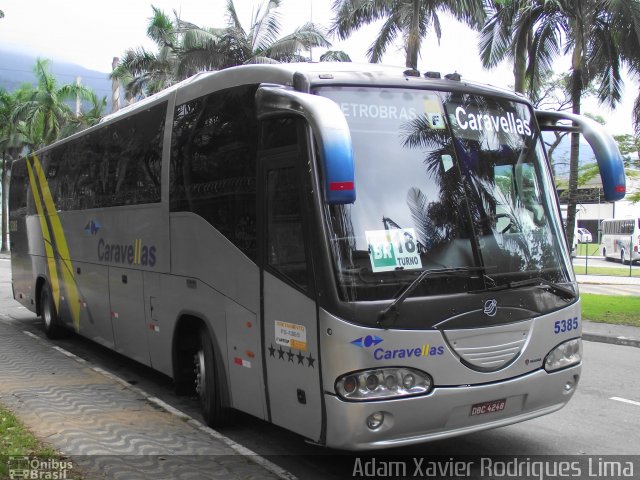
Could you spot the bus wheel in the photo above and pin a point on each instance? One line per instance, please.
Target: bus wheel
(208, 383)
(50, 318)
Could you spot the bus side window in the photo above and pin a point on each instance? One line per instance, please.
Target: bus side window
(213, 163)
(285, 233)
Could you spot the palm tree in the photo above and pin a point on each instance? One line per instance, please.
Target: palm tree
(412, 19)
(87, 118)
(13, 138)
(45, 111)
(143, 72)
(625, 22)
(335, 56)
(592, 36)
(261, 43)
(500, 38)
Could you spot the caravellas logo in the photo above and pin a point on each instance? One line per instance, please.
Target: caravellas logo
(491, 307)
(92, 227)
(366, 342)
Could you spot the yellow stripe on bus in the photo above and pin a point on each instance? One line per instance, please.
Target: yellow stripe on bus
(61, 246)
(48, 247)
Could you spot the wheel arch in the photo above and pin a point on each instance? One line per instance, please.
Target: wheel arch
(186, 338)
(41, 281)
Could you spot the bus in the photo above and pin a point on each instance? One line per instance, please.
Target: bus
(364, 255)
(620, 239)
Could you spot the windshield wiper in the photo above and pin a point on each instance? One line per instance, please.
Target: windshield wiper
(555, 288)
(402, 296)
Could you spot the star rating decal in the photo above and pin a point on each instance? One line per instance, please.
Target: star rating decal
(291, 355)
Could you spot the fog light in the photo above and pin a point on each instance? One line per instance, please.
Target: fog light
(375, 420)
(571, 385)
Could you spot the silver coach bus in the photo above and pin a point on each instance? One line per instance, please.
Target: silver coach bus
(360, 254)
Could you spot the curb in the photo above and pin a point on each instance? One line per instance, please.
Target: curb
(251, 456)
(625, 341)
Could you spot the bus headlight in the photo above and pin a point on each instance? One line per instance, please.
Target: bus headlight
(564, 355)
(383, 383)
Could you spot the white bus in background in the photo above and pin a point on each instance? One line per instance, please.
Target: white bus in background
(620, 239)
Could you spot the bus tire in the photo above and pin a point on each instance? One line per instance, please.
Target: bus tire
(208, 383)
(49, 315)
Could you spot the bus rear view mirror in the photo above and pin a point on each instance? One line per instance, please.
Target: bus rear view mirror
(330, 130)
(604, 147)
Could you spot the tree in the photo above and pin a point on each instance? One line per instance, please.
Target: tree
(501, 38)
(590, 32)
(335, 56)
(185, 48)
(261, 43)
(45, 110)
(411, 19)
(87, 118)
(625, 22)
(143, 72)
(13, 138)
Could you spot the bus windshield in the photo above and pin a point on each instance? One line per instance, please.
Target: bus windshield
(444, 180)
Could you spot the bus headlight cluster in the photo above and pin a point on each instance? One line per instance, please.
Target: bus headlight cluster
(564, 355)
(383, 383)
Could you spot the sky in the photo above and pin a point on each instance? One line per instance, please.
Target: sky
(91, 33)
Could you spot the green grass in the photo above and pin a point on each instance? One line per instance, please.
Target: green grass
(614, 271)
(588, 249)
(614, 309)
(17, 441)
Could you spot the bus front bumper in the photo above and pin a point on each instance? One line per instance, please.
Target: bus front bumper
(447, 412)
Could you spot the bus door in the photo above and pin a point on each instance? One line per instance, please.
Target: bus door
(289, 310)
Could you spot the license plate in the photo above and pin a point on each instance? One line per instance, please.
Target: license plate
(488, 407)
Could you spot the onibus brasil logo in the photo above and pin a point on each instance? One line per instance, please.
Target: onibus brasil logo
(22, 467)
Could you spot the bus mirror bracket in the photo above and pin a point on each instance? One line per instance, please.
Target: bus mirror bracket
(330, 130)
(604, 147)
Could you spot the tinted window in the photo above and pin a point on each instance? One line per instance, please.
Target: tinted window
(118, 164)
(285, 234)
(18, 189)
(213, 163)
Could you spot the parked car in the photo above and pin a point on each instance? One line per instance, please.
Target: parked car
(583, 235)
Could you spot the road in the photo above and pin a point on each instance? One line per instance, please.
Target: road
(598, 420)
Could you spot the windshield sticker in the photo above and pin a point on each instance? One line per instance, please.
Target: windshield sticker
(375, 111)
(507, 123)
(433, 113)
(391, 250)
(447, 162)
(291, 335)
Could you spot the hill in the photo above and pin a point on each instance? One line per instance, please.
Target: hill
(17, 68)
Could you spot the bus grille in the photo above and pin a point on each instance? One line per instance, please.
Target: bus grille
(489, 349)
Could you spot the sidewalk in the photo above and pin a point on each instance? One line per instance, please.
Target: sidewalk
(607, 280)
(106, 427)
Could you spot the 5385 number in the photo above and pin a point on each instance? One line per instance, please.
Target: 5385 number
(568, 325)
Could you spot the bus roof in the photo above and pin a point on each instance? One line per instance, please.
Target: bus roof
(302, 76)
(315, 73)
